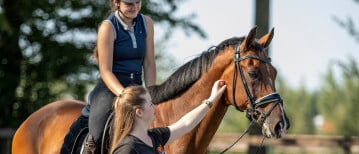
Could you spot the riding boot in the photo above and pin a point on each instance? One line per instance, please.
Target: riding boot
(90, 146)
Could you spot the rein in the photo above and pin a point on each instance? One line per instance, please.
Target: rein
(254, 104)
(240, 137)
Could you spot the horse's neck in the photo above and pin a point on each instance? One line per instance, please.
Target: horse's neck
(193, 97)
(199, 138)
(172, 110)
(209, 125)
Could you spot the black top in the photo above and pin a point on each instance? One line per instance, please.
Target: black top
(133, 145)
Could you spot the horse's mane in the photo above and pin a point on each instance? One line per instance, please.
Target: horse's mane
(189, 73)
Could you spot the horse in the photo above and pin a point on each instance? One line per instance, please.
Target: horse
(243, 63)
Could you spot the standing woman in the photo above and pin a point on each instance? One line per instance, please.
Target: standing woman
(134, 113)
(125, 49)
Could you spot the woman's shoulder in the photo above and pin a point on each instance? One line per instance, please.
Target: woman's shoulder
(106, 27)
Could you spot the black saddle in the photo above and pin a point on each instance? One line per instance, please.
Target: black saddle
(75, 139)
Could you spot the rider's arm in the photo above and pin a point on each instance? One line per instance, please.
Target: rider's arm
(149, 65)
(105, 57)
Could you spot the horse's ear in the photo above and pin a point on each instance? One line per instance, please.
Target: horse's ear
(251, 37)
(265, 40)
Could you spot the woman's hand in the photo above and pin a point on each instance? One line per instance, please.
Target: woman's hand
(217, 90)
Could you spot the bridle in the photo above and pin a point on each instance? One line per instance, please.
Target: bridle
(253, 111)
(254, 104)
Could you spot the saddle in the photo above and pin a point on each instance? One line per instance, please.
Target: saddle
(75, 139)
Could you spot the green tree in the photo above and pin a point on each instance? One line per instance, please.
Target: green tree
(349, 24)
(300, 107)
(166, 63)
(234, 121)
(338, 99)
(46, 46)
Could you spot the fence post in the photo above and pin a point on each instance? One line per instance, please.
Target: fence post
(346, 143)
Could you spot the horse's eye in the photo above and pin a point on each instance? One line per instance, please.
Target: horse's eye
(253, 74)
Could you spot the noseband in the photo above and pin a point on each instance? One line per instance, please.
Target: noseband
(253, 111)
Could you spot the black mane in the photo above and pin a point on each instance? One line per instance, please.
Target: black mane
(189, 73)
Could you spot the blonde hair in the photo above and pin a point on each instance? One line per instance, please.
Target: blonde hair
(125, 107)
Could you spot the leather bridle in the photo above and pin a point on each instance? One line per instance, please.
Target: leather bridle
(254, 104)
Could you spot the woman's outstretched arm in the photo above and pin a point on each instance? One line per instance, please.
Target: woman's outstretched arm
(192, 118)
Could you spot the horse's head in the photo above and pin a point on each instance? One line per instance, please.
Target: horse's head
(252, 85)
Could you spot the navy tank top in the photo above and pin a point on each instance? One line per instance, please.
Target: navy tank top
(129, 44)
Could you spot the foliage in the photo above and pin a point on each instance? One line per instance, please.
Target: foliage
(300, 107)
(166, 63)
(339, 98)
(234, 121)
(349, 24)
(46, 49)
(338, 101)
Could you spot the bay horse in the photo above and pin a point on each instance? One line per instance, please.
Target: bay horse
(242, 62)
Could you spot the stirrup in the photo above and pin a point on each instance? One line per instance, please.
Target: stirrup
(90, 146)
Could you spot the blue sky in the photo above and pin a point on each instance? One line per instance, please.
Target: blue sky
(306, 37)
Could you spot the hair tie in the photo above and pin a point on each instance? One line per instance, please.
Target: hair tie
(119, 95)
